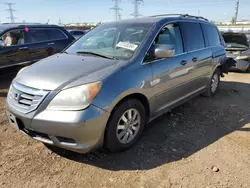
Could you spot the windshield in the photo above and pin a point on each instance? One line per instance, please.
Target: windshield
(119, 41)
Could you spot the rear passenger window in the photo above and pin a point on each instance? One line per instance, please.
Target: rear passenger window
(212, 34)
(192, 36)
(37, 35)
(171, 36)
(43, 35)
(55, 34)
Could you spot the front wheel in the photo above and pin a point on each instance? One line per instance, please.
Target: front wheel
(125, 126)
(214, 84)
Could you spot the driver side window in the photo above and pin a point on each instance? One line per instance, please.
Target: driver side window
(169, 36)
(12, 38)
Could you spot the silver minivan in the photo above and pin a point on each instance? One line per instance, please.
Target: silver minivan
(91, 96)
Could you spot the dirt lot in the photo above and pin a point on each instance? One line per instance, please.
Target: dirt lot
(179, 149)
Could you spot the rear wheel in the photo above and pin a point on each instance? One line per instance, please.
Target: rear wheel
(214, 84)
(125, 126)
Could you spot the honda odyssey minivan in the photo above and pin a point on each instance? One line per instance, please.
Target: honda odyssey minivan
(92, 96)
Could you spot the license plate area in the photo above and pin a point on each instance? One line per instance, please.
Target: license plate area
(12, 120)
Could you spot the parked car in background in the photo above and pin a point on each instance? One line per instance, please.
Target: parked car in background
(77, 33)
(237, 47)
(248, 37)
(103, 96)
(103, 39)
(28, 43)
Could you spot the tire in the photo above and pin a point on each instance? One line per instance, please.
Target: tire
(111, 140)
(212, 90)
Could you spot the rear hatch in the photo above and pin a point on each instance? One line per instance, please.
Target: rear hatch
(236, 43)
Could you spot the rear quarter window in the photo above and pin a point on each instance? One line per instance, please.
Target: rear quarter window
(212, 34)
(77, 32)
(192, 36)
(55, 34)
(37, 35)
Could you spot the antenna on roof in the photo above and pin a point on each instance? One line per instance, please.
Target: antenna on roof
(48, 21)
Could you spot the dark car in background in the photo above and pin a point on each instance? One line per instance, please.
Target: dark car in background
(28, 43)
(237, 47)
(77, 33)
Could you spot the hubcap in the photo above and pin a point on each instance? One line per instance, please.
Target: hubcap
(215, 82)
(128, 126)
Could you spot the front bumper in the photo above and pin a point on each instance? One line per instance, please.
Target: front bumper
(79, 131)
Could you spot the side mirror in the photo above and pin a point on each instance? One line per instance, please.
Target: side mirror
(2, 43)
(164, 51)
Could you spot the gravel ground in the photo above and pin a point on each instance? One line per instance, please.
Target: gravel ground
(203, 143)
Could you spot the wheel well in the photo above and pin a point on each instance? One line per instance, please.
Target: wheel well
(220, 69)
(139, 97)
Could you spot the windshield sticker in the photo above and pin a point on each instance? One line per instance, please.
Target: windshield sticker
(127, 45)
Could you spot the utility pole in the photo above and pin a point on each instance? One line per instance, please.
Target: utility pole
(59, 22)
(11, 10)
(237, 10)
(116, 8)
(136, 3)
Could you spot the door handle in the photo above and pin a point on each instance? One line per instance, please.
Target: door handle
(184, 62)
(23, 48)
(52, 43)
(195, 59)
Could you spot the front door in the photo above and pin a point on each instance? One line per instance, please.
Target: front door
(15, 50)
(170, 75)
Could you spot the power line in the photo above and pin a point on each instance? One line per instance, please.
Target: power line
(116, 8)
(11, 11)
(136, 3)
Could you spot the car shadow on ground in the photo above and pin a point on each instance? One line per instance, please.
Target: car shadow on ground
(179, 134)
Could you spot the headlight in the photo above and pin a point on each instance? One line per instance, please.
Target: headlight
(76, 98)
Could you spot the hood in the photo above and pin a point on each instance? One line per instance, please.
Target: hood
(234, 39)
(60, 70)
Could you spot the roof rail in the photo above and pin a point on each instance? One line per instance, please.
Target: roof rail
(165, 15)
(181, 15)
(197, 17)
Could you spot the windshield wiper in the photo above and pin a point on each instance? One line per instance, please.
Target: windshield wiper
(95, 54)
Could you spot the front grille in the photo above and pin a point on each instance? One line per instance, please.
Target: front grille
(25, 99)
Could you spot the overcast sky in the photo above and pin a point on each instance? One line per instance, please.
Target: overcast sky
(98, 10)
